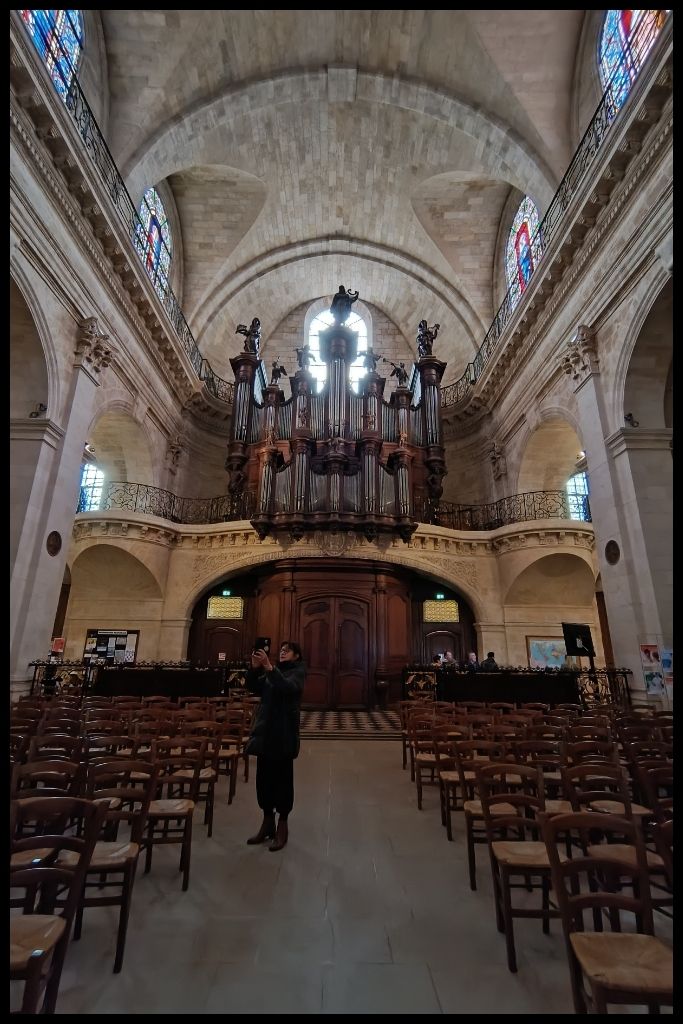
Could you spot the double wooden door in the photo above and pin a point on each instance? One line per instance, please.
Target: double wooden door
(334, 632)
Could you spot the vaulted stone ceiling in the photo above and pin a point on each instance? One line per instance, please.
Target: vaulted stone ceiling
(371, 148)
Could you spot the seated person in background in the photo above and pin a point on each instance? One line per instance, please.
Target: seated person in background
(489, 663)
(448, 661)
(471, 665)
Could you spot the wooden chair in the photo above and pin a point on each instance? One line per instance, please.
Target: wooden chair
(212, 733)
(39, 936)
(46, 778)
(523, 856)
(475, 831)
(125, 788)
(169, 818)
(52, 746)
(619, 966)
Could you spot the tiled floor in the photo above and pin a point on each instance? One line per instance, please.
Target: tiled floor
(367, 910)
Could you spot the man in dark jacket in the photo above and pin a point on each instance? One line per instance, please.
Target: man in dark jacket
(275, 736)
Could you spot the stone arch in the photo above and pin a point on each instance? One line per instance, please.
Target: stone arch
(216, 572)
(40, 373)
(412, 285)
(549, 590)
(549, 454)
(644, 369)
(168, 149)
(123, 448)
(125, 573)
(112, 587)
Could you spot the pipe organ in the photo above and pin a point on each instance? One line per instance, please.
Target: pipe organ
(336, 460)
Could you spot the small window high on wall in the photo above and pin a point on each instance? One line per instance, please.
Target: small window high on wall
(153, 242)
(577, 497)
(627, 38)
(318, 370)
(92, 483)
(523, 249)
(58, 38)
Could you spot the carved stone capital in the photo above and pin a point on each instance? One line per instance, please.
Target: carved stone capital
(91, 346)
(581, 355)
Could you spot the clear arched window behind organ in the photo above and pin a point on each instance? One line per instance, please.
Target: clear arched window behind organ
(319, 369)
(153, 241)
(523, 249)
(58, 38)
(627, 38)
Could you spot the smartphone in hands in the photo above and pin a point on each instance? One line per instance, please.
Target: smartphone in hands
(262, 643)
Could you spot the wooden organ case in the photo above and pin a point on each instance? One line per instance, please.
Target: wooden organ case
(336, 460)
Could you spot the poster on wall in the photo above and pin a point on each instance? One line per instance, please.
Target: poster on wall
(652, 669)
(113, 646)
(667, 656)
(546, 652)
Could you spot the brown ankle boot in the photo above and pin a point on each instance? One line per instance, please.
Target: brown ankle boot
(281, 836)
(267, 830)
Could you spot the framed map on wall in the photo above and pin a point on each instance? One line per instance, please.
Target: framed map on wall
(546, 652)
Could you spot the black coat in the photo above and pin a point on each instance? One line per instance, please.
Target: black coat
(275, 728)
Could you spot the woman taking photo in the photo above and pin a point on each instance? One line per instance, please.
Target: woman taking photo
(274, 736)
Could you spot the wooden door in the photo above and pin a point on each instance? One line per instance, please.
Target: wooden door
(334, 632)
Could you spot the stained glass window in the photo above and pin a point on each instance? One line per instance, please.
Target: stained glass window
(523, 249)
(627, 38)
(577, 496)
(318, 369)
(92, 482)
(153, 240)
(58, 38)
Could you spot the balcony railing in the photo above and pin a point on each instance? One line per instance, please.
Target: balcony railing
(519, 508)
(593, 139)
(153, 501)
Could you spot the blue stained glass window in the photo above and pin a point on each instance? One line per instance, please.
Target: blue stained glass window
(577, 496)
(627, 38)
(58, 38)
(92, 482)
(523, 250)
(153, 241)
(318, 369)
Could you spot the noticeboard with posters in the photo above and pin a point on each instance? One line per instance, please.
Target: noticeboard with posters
(111, 646)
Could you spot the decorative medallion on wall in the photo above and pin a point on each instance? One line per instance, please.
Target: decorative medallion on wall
(53, 544)
(612, 552)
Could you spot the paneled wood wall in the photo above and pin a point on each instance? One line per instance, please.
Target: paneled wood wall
(357, 622)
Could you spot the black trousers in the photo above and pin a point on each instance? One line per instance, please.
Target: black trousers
(275, 784)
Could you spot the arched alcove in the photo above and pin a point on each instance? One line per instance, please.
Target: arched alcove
(648, 390)
(122, 449)
(549, 457)
(551, 590)
(111, 588)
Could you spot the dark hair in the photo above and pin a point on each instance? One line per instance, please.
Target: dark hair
(293, 646)
(490, 654)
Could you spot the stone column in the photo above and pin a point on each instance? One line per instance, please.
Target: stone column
(51, 506)
(634, 599)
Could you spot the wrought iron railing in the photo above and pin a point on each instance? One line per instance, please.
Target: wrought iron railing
(153, 501)
(518, 508)
(97, 149)
(608, 108)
